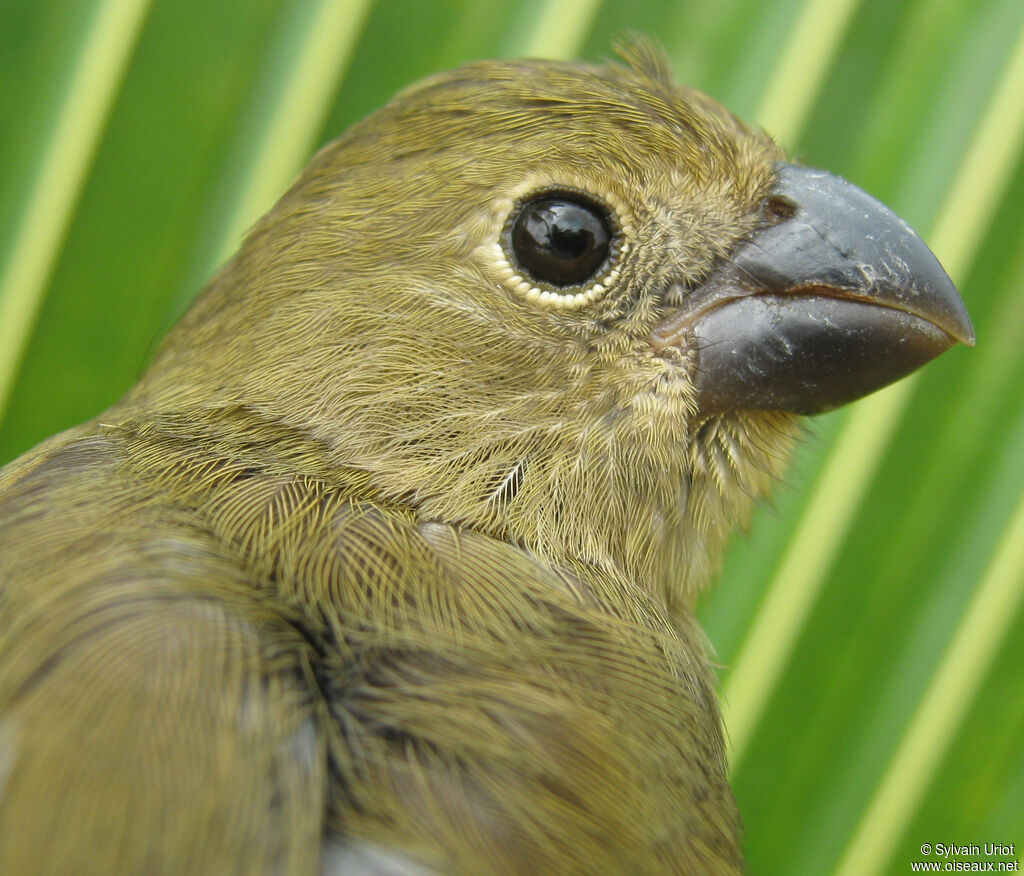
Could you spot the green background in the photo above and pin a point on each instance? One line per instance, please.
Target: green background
(868, 626)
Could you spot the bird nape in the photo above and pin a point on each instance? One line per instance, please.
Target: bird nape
(387, 564)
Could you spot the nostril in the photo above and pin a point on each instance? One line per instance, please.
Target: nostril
(777, 209)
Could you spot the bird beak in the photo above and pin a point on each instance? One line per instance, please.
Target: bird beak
(833, 297)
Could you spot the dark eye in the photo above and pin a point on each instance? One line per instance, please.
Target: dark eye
(562, 240)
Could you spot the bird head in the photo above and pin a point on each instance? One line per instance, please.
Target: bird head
(579, 308)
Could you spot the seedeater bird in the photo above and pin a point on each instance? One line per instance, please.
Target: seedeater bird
(387, 565)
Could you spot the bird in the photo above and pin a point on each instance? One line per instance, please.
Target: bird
(388, 563)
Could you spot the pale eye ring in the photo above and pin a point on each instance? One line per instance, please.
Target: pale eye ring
(562, 245)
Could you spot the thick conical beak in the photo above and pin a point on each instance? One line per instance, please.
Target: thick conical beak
(832, 298)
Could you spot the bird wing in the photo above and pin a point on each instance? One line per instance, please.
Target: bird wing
(215, 678)
(156, 716)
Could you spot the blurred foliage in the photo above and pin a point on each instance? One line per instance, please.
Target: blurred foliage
(206, 103)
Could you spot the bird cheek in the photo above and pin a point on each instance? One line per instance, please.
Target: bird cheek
(662, 396)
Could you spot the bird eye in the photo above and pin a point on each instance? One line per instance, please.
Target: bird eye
(561, 240)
